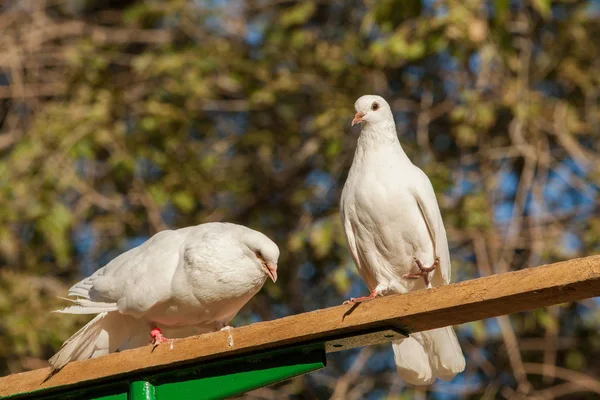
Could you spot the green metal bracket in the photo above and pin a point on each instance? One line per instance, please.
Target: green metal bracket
(142, 390)
(213, 380)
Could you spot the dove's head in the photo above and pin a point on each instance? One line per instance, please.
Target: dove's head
(263, 251)
(372, 110)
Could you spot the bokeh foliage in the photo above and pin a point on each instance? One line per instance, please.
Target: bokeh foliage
(123, 118)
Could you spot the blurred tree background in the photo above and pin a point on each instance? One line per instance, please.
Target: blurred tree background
(123, 118)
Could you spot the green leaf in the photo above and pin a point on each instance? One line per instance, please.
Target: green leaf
(184, 201)
(341, 280)
(543, 7)
(321, 238)
(54, 226)
(158, 194)
(298, 14)
(466, 136)
(575, 360)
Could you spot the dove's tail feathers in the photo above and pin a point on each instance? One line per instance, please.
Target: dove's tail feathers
(81, 289)
(106, 333)
(425, 356)
(445, 355)
(85, 306)
(81, 345)
(411, 360)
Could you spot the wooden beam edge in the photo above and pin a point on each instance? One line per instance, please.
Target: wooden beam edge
(347, 326)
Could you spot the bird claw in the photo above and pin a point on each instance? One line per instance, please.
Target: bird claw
(423, 270)
(355, 300)
(158, 338)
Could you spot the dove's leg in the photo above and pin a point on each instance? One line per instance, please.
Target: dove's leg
(423, 270)
(380, 290)
(157, 337)
(354, 300)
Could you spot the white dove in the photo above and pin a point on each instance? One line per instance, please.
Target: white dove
(182, 282)
(395, 233)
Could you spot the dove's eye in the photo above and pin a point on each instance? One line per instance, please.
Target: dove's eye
(375, 106)
(258, 254)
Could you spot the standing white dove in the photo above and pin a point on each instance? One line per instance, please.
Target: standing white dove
(179, 282)
(396, 236)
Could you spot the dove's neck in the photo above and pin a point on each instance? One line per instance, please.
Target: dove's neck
(375, 137)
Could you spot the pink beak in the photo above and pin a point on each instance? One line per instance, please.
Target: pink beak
(272, 271)
(358, 118)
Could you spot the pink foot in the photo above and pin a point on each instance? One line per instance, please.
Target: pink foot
(423, 271)
(354, 300)
(157, 337)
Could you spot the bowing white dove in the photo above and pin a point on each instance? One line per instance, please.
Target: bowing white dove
(178, 283)
(396, 237)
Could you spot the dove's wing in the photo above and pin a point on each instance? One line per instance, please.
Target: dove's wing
(134, 281)
(428, 206)
(351, 240)
(349, 231)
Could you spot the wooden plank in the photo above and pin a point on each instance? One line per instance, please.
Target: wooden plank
(344, 326)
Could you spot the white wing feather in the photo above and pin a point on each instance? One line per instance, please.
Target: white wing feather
(134, 281)
(428, 206)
